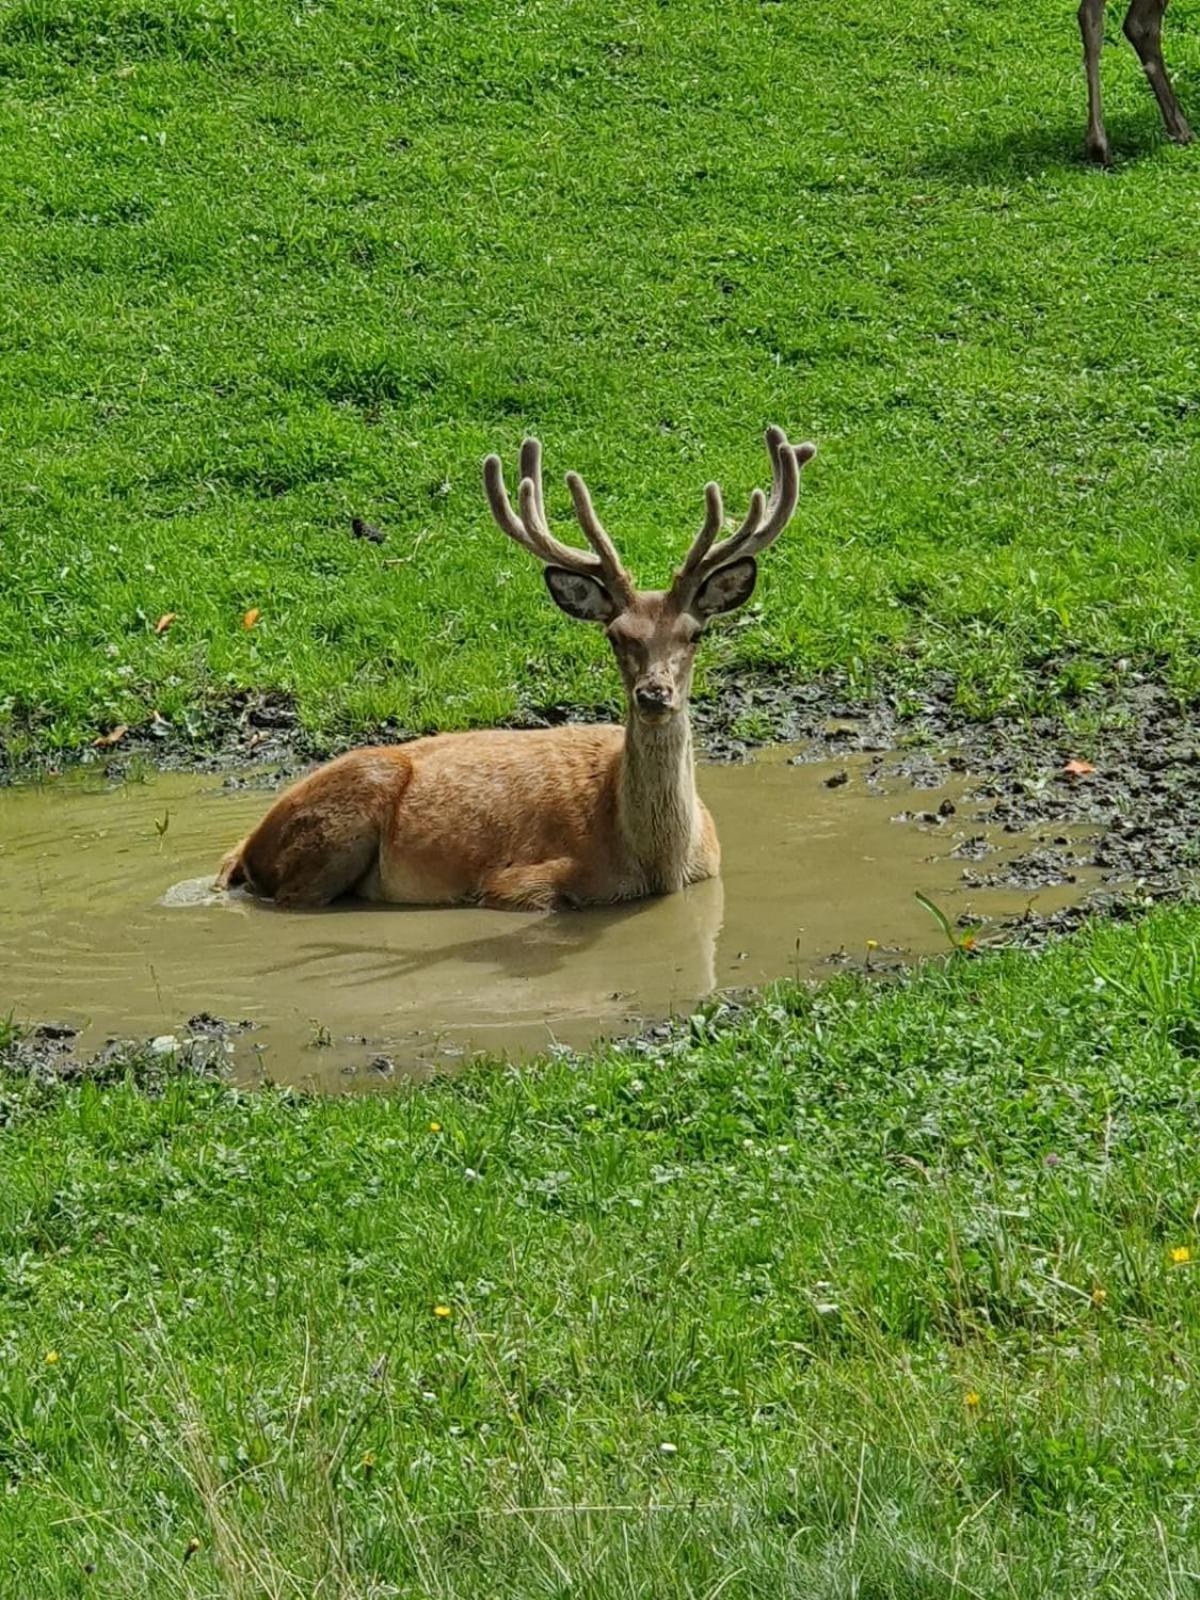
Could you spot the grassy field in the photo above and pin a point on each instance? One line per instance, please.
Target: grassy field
(264, 266)
(869, 1294)
(877, 1293)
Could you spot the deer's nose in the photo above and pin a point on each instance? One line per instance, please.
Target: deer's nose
(653, 697)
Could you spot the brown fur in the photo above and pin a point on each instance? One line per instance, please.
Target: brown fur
(532, 821)
(525, 821)
(1143, 29)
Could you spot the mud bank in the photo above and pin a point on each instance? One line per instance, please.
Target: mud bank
(1020, 827)
(111, 927)
(1142, 797)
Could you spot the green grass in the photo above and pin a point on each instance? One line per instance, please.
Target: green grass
(890, 1270)
(263, 266)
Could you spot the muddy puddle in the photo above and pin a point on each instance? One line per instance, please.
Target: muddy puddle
(107, 923)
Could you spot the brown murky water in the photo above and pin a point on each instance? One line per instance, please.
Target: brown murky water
(107, 923)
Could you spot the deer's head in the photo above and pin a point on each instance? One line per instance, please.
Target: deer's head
(653, 632)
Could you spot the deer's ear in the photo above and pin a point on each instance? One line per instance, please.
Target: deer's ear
(728, 588)
(579, 596)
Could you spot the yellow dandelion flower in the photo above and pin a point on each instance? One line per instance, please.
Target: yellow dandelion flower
(442, 1311)
(1181, 1255)
(1099, 1296)
(368, 1461)
(51, 1357)
(435, 1127)
(872, 944)
(971, 1400)
(193, 1545)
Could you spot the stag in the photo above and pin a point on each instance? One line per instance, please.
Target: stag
(540, 819)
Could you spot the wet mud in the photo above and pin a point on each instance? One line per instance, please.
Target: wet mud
(1143, 795)
(1023, 825)
(109, 924)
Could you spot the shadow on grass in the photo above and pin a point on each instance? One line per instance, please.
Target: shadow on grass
(1048, 147)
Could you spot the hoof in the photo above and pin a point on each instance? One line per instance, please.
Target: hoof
(1097, 151)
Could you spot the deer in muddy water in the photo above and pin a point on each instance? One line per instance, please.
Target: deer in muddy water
(1143, 29)
(534, 820)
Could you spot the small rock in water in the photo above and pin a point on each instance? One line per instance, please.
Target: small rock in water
(837, 780)
(214, 1027)
(166, 1044)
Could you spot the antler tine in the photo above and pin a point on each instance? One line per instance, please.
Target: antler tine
(757, 532)
(597, 536)
(787, 461)
(531, 530)
(525, 530)
(501, 506)
(714, 515)
(753, 522)
(531, 468)
(543, 543)
(765, 520)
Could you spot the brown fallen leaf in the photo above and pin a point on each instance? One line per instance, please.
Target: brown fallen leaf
(1077, 769)
(251, 618)
(165, 621)
(114, 736)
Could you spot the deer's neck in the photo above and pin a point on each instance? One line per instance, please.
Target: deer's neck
(658, 808)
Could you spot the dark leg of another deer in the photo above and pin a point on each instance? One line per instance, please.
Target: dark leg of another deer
(1143, 29)
(1091, 26)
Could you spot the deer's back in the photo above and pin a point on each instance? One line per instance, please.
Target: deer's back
(475, 801)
